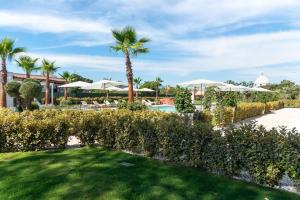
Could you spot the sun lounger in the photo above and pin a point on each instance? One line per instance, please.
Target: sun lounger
(98, 105)
(85, 105)
(108, 104)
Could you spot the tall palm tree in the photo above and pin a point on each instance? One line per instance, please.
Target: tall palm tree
(68, 78)
(127, 43)
(7, 52)
(158, 82)
(28, 64)
(137, 81)
(48, 68)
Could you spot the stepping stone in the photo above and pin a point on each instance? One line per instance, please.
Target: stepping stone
(126, 164)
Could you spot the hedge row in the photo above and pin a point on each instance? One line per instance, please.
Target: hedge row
(248, 110)
(266, 155)
(291, 103)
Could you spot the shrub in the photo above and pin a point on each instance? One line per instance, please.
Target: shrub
(183, 101)
(65, 102)
(265, 154)
(133, 106)
(12, 89)
(273, 105)
(204, 116)
(291, 103)
(223, 116)
(248, 110)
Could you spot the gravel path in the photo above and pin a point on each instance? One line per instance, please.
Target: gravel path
(289, 117)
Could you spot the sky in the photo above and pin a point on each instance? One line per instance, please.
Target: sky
(190, 39)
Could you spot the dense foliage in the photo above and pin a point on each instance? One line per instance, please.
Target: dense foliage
(265, 155)
(133, 106)
(24, 92)
(183, 102)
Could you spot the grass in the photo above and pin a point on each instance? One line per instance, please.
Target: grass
(95, 173)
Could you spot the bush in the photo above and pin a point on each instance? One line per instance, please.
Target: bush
(223, 116)
(273, 105)
(265, 154)
(204, 116)
(291, 103)
(65, 102)
(133, 106)
(248, 110)
(183, 101)
(12, 89)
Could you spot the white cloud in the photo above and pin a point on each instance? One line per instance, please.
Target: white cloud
(51, 24)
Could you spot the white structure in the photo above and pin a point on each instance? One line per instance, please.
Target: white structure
(262, 80)
(54, 83)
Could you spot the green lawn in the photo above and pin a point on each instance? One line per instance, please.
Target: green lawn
(97, 174)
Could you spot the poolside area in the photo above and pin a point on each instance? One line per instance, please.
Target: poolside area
(288, 117)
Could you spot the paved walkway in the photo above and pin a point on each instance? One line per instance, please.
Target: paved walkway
(289, 117)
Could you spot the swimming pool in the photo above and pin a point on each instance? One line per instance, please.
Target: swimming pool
(164, 108)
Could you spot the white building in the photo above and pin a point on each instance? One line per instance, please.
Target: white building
(54, 83)
(261, 80)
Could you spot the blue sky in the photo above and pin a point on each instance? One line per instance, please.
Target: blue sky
(191, 39)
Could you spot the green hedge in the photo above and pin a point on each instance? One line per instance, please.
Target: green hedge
(291, 103)
(266, 155)
(273, 105)
(247, 110)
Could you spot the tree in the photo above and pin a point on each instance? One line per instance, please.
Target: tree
(48, 68)
(7, 52)
(183, 101)
(158, 82)
(28, 64)
(149, 84)
(137, 81)
(12, 89)
(30, 90)
(127, 43)
(68, 78)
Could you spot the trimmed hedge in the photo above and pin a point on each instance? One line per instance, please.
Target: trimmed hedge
(291, 103)
(273, 105)
(247, 110)
(266, 155)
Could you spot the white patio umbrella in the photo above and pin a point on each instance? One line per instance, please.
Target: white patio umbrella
(114, 88)
(259, 89)
(200, 83)
(103, 85)
(77, 84)
(233, 88)
(144, 90)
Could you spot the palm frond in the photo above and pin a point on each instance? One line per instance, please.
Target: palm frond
(144, 40)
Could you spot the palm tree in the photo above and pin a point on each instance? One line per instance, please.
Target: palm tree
(158, 82)
(7, 52)
(28, 64)
(48, 68)
(68, 78)
(127, 42)
(137, 81)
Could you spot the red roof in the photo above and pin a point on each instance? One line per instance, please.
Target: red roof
(40, 78)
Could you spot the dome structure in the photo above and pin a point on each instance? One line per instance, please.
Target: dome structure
(262, 80)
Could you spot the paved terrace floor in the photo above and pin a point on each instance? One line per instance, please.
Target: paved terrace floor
(289, 117)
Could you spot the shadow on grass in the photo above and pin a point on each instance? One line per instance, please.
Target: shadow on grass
(95, 173)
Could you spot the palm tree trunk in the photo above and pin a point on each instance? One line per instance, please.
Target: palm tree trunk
(66, 93)
(2, 84)
(47, 89)
(129, 77)
(27, 75)
(156, 93)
